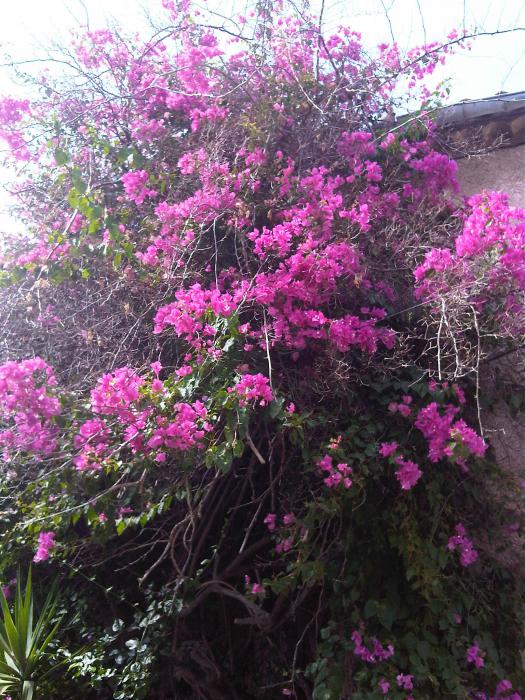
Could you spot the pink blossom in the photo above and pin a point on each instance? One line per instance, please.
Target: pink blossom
(505, 686)
(475, 656)
(185, 432)
(28, 406)
(402, 408)
(184, 371)
(387, 449)
(467, 553)
(384, 686)
(408, 473)
(254, 387)
(270, 521)
(116, 393)
(284, 545)
(338, 474)
(372, 655)
(405, 681)
(475, 444)
(135, 186)
(156, 367)
(441, 431)
(46, 542)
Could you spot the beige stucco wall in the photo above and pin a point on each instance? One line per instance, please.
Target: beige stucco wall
(502, 169)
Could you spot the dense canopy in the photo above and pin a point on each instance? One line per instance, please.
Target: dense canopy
(244, 335)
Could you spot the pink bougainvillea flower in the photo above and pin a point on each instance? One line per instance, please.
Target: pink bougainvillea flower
(270, 521)
(467, 552)
(374, 653)
(46, 542)
(386, 449)
(405, 681)
(384, 686)
(408, 473)
(475, 656)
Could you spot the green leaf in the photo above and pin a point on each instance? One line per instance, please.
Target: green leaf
(61, 157)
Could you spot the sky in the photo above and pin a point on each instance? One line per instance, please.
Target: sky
(494, 63)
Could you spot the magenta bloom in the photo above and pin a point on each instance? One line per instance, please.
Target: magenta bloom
(405, 681)
(135, 186)
(339, 474)
(254, 387)
(408, 473)
(467, 552)
(387, 449)
(374, 653)
(475, 656)
(384, 686)
(46, 542)
(269, 521)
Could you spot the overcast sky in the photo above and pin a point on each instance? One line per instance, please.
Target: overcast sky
(494, 64)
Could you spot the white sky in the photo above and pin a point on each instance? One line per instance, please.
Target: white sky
(494, 63)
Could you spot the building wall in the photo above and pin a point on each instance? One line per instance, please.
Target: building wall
(501, 169)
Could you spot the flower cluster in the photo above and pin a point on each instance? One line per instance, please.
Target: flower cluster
(93, 440)
(375, 654)
(12, 112)
(336, 474)
(116, 393)
(184, 433)
(135, 183)
(46, 542)
(28, 403)
(193, 312)
(408, 472)
(467, 552)
(486, 264)
(443, 432)
(405, 681)
(403, 408)
(475, 656)
(253, 387)
(502, 689)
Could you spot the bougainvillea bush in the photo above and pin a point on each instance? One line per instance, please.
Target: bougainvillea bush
(243, 345)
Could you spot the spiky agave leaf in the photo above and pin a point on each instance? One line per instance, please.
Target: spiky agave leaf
(23, 643)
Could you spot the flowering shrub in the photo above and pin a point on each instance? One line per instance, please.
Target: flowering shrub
(255, 431)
